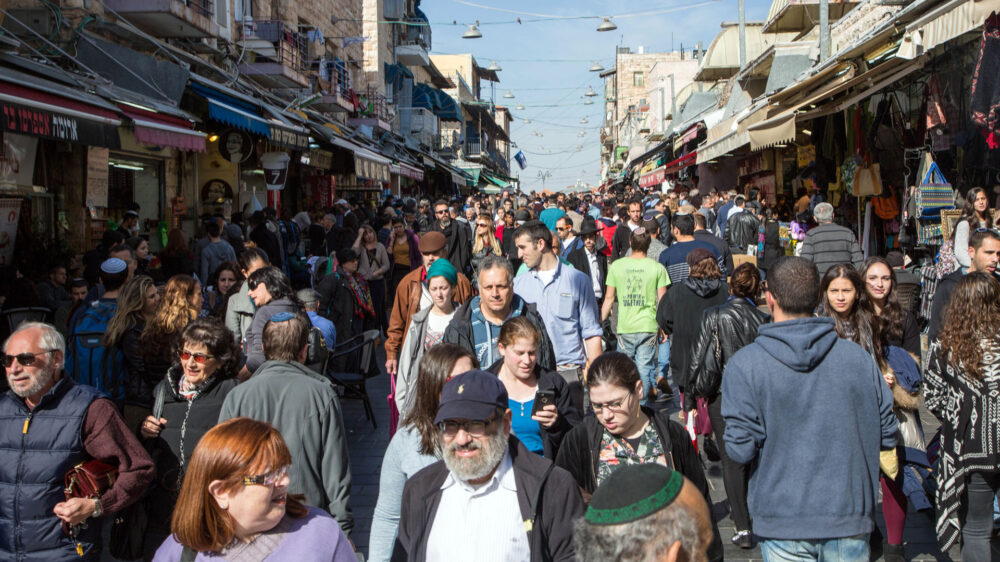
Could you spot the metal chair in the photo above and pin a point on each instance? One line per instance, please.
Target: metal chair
(353, 383)
(16, 316)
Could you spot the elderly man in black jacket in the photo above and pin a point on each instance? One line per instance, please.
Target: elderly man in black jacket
(742, 227)
(524, 506)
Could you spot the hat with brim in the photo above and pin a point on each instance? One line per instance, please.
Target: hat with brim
(431, 242)
(472, 395)
(588, 227)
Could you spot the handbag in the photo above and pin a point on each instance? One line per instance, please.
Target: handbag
(934, 194)
(867, 181)
(886, 206)
(87, 480)
(128, 528)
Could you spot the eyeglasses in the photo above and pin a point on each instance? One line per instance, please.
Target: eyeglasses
(25, 359)
(251, 284)
(199, 358)
(566, 227)
(612, 406)
(476, 428)
(441, 212)
(269, 479)
(482, 224)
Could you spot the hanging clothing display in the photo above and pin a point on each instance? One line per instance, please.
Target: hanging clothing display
(986, 80)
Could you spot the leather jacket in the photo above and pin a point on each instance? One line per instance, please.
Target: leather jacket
(725, 329)
(742, 231)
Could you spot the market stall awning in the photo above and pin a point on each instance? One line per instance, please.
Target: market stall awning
(952, 19)
(37, 107)
(232, 111)
(679, 164)
(472, 175)
(164, 130)
(687, 137)
(497, 181)
(440, 103)
(776, 130)
(652, 178)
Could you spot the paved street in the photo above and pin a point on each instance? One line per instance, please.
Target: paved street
(367, 446)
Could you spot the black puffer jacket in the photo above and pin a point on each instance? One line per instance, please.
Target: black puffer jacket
(742, 231)
(725, 329)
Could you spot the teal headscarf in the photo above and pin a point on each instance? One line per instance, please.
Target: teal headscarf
(443, 268)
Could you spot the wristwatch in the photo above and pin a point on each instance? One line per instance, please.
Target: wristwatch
(97, 508)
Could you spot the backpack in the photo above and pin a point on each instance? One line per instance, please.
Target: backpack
(290, 236)
(88, 361)
(316, 350)
(607, 228)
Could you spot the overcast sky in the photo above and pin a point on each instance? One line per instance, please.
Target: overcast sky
(546, 63)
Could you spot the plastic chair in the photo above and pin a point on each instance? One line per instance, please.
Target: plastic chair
(354, 383)
(16, 316)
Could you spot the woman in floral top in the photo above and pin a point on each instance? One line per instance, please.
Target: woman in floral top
(623, 432)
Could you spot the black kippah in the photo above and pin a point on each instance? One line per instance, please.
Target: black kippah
(634, 492)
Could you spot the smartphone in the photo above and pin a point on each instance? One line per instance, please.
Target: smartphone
(542, 399)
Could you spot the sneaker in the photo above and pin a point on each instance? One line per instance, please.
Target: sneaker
(743, 539)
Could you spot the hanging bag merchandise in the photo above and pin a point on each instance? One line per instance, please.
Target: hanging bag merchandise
(867, 181)
(887, 205)
(934, 194)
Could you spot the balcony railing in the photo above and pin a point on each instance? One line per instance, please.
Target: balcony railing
(447, 141)
(276, 41)
(473, 146)
(419, 33)
(204, 8)
(374, 105)
(339, 76)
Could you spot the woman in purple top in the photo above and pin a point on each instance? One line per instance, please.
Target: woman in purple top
(234, 504)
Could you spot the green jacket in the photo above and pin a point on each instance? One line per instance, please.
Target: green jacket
(304, 407)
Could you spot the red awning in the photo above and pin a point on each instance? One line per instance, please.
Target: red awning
(679, 164)
(652, 178)
(164, 130)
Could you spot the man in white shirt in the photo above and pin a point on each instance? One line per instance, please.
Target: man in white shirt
(489, 498)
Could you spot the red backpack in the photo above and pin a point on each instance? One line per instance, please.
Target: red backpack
(607, 228)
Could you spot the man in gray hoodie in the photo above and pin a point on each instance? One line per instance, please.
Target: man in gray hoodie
(304, 407)
(811, 413)
(215, 253)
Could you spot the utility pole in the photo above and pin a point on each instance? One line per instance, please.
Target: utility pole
(743, 35)
(824, 30)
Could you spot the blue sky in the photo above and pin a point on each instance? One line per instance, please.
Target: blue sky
(546, 63)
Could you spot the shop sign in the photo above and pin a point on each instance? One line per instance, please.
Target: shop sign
(655, 177)
(216, 191)
(17, 159)
(322, 159)
(97, 176)
(275, 169)
(288, 138)
(235, 146)
(16, 118)
(10, 210)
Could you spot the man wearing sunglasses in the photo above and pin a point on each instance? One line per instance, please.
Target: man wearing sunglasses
(51, 424)
(458, 236)
(489, 493)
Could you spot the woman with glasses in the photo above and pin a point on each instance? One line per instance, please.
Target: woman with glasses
(484, 242)
(414, 446)
(205, 365)
(976, 214)
(899, 326)
(962, 389)
(235, 504)
(271, 293)
(622, 432)
(541, 427)
(373, 265)
(724, 330)
(426, 330)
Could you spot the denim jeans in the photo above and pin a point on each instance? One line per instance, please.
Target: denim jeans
(845, 549)
(641, 347)
(663, 361)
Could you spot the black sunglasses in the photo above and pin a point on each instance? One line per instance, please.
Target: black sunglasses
(25, 359)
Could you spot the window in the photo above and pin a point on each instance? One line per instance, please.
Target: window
(638, 79)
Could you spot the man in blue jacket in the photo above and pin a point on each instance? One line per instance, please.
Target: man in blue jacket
(812, 412)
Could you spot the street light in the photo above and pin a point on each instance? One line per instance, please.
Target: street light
(494, 67)
(588, 101)
(472, 32)
(607, 25)
(597, 67)
(519, 107)
(584, 121)
(509, 95)
(590, 92)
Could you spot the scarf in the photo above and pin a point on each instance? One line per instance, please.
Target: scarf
(359, 290)
(188, 390)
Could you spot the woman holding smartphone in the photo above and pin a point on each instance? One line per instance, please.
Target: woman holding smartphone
(539, 400)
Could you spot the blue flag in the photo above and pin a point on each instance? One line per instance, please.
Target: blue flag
(521, 160)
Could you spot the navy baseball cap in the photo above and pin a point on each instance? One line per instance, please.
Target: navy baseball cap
(473, 395)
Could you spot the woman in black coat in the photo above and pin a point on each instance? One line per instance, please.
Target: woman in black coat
(622, 432)
(724, 330)
(540, 426)
(679, 313)
(192, 393)
(772, 242)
